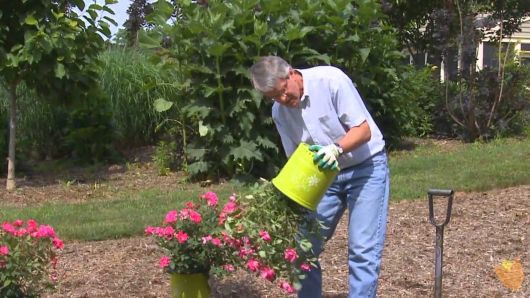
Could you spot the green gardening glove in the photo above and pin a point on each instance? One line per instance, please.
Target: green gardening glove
(326, 156)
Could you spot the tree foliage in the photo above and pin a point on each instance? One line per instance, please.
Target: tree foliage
(452, 30)
(50, 48)
(211, 46)
(137, 11)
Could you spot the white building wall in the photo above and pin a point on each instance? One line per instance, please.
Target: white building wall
(518, 38)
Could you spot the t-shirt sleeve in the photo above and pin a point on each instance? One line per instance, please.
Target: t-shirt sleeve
(347, 100)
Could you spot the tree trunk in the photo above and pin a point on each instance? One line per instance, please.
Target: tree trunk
(11, 183)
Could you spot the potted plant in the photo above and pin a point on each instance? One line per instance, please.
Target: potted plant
(197, 243)
(259, 233)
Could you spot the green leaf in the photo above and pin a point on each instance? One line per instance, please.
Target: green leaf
(217, 50)
(80, 4)
(162, 105)
(30, 20)
(148, 41)
(198, 167)
(59, 70)
(203, 129)
(246, 151)
(364, 53)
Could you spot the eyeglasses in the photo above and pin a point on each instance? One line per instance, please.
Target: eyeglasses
(280, 93)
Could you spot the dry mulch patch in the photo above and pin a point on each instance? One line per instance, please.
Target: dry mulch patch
(485, 228)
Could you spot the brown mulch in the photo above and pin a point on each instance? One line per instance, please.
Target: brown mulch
(485, 228)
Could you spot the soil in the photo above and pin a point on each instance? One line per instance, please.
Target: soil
(485, 228)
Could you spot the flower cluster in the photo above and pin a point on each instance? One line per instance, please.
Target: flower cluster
(27, 253)
(277, 250)
(259, 233)
(195, 239)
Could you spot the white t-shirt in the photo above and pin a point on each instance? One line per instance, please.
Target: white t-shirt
(330, 106)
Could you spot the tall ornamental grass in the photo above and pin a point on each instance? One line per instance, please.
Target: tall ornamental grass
(132, 84)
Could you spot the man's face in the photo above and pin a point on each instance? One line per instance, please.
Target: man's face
(286, 92)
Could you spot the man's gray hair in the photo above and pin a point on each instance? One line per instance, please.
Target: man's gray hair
(266, 72)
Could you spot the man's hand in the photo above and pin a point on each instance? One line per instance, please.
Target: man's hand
(326, 156)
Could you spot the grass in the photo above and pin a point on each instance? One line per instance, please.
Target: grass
(125, 216)
(464, 167)
(471, 167)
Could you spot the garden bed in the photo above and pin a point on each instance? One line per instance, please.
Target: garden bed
(485, 228)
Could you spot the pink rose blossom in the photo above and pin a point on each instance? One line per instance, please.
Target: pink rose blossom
(222, 218)
(164, 261)
(149, 230)
(232, 198)
(4, 250)
(169, 232)
(290, 255)
(305, 267)
(182, 237)
(54, 276)
(245, 251)
(184, 213)
(32, 226)
(287, 287)
(171, 217)
(265, 235)
(206, 239)
(252, 265)
(229, 267)
(190, 205)
(216, 241)
(268, 273)
(8, 227)
(195, 216)
(229, 207)
(211, 198)
(45, 231)
(18, 223)
(20, 232)
(58, 243)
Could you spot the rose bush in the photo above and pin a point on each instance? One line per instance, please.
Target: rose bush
(276, 249)
(259, 233)
(195, 239)
(28, 252)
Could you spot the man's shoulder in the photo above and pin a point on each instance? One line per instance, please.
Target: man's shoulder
(323, 71)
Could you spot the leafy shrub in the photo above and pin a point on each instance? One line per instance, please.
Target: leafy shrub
(165, 157)
(409, 109)
(27, 253)
(89, 134)
(474, 109)
(211, 49)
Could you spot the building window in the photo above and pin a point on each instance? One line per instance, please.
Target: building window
(525, 47)
(491, 54)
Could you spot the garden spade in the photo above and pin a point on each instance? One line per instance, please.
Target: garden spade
(448, 194)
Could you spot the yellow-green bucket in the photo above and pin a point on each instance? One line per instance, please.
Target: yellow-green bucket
(302, 180)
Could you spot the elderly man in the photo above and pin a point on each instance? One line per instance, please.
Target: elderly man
(321, 106)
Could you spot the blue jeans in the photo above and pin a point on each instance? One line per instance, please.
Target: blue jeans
(364, 189)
